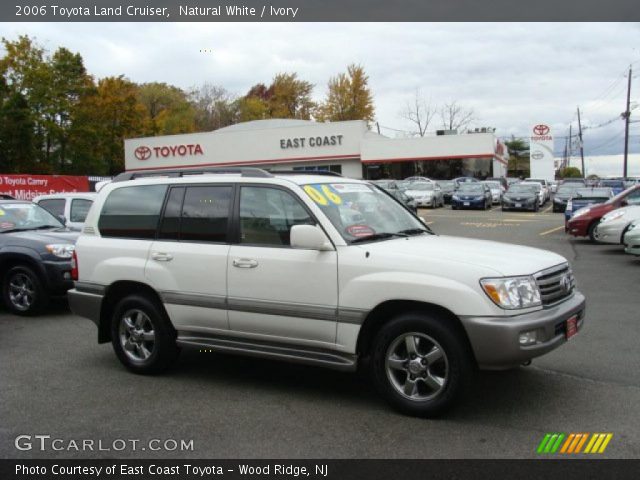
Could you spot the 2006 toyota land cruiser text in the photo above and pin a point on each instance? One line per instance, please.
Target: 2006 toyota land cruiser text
(315, 269)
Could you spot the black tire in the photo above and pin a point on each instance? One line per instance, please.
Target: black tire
(503, 209)
(455, 366)
(591, 231)
(23, 292)
(624, 232)
(537, 207)
(163, 349)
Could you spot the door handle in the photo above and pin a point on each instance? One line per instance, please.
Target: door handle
(161, 256)
(245, 263)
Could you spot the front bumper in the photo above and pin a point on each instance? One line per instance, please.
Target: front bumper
(423, 201)
(559, 206)
(632, 244)
(609, 232)
(495, 340)
(476, 203)
(578, 226)
(524, 205)
(58, 276)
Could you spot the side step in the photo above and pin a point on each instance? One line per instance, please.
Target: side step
(275, 351)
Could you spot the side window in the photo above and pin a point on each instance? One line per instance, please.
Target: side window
(53, 206)
(79, 209)
(267, 215)
(205, 213)
(634, 198)
(170, 227)
(132, 212)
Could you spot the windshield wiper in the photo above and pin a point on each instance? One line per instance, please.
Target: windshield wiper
(42, 227)
(415, 231)
(379, 236)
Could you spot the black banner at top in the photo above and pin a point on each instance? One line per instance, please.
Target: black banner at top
(318, 10)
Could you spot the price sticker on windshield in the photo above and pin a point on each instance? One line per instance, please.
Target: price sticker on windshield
(323, 194)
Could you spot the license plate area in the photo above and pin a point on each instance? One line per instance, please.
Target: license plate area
(518, 205)
(466, 204)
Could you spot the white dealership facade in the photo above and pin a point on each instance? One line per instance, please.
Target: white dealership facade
(349, 148)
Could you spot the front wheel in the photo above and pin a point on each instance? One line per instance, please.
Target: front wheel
(420, 364)
(23, 292)
(591, 232)
(142, 336)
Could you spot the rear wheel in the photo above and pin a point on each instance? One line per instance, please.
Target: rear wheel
(142, 336)
(23, 292)
(419, 364)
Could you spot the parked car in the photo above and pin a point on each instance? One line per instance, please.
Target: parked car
(522, 197)
(417, 179)
(35, 256)
(631, 239)
(471, 195)
(553, 186)
(502, 180)
(564, 193)
(615, 224)
(461, 180)
(447, 187)
(616, 185)
(426, 194)
(5, 196)
(72, 208)
(545, 187)
(391, 187)
(585, 197)
(542, 197)
(496, 190)
(581, 181)
(286, 279)
(584, 222)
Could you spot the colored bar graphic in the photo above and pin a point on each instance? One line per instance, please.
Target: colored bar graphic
(572, 443)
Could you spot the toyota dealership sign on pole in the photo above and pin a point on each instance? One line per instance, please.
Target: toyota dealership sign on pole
(541, 152)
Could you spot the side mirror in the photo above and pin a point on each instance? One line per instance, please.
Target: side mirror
(309, 237)
(62, 219)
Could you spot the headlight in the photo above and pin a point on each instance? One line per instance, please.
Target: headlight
(582, 211)
(633, 226)
(512, 293)
(612, 216)
(64, 250)
(455, 197)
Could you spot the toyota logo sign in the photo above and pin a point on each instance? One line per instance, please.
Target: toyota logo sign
(537, 155)
(142, 153)
(541, 129)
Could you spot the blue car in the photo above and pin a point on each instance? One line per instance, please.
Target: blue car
(616, 185)
(472, 195)
(583, 197)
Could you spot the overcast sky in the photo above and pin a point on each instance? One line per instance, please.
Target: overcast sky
(512, 75)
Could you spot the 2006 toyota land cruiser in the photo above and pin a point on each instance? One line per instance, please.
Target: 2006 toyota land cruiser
(316, 269)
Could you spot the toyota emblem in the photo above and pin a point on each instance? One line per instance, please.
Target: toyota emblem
(541, 129)
(565, 283)
(142, 153)
(537, 155)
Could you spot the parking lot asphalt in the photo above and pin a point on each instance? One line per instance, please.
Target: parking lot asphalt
(56, 380)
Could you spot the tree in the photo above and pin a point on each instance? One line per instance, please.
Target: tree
(570, 172)
(291, 97)
(518, 149)
(214, 107)
(16, 134)
(349, 97)
(456, 117)
(168, 109)
(420, 113)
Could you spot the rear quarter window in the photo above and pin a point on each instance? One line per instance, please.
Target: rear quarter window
(132, 212)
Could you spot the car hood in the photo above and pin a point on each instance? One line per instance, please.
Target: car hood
(414, 253)
(510, 196)
(419, 193)
(42, 236)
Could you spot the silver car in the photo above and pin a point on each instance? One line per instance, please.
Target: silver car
(631, 239)
(615, 224)
(426, 194)
(496, 190)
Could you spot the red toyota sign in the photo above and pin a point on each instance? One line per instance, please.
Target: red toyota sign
(27, 187)
(541, 130)
(144, 152)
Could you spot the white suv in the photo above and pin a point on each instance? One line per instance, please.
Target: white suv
(316, 269)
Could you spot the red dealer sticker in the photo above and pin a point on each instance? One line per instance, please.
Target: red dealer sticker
(360, 231)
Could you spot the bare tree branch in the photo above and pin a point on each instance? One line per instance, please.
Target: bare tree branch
(456, 117)
(420, 113)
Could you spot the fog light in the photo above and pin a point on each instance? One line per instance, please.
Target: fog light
(528, 338)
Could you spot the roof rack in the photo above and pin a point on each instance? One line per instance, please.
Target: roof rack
(183, 172)
(326, 173)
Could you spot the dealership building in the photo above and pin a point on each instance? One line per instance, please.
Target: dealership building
(348, 148)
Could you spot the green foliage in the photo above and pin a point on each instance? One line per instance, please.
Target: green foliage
(570, 172)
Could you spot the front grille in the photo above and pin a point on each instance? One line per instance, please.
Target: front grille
(555, 284)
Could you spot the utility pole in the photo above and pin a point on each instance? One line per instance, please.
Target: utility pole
(581, 147)
(627, 116)
(570, 146)
(564, 157)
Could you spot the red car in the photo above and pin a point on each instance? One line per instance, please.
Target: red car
(583, 223)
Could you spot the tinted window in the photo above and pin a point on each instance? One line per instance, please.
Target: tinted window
(54, 206)
(267, 215)
(170, 227)
(205, 214)
(79, 209)
(132, 212)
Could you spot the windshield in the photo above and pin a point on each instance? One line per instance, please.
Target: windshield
(360, 212)
(421, 186)
(493, 185)
(569, 187)
(522, 189)
(612, 183)
(536, 186)
(471, 188)
(446, 185)
(25, 216)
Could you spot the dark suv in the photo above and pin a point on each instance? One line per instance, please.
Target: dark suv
(35, 256)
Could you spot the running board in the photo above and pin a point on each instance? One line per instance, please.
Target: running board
(275, 351)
